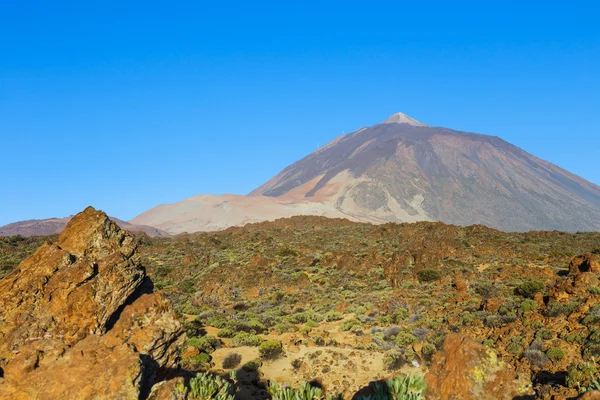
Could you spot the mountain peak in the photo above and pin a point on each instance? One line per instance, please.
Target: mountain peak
(400, 118)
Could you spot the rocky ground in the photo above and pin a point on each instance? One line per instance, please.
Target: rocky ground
(481, 314)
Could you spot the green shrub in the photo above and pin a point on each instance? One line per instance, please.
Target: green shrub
(225, 333)
(210, 387)
(270, 350)
(333, 316)
(404, 339)
(556, 308)
(245, 339)
(594, 290)
(207, 344)
(544, 334)
(393, 359)
(514, 347)
(528, 305)
(429, 275)
(351, 325)
(198, 362)
(427, 351)
(580, 374)
(555, 354)
(530, 288)
(400, 314)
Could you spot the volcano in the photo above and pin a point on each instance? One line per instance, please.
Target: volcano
(403, 170)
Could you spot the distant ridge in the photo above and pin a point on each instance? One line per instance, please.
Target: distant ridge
(52, 226)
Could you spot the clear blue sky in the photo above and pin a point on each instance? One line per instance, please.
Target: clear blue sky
(125, 107)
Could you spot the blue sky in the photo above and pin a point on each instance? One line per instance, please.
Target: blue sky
(127, 106)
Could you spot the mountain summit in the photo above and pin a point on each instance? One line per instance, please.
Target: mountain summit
(400, 118)
(402, 171)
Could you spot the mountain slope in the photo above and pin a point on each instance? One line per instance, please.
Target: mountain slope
(51, 226)
(393, 171)
(403, 171)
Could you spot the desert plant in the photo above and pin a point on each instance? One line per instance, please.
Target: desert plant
(555, 353)
(304, 392)
(225, 333)
(333, 316)
(270, 350)
(207, 344)
(407, 388)
(393, 359)
(530, 287)
(210, 387)
(198, 362)
(245, 339)
(427, 351)
(535, 355)
(579, 375)
(404, 339)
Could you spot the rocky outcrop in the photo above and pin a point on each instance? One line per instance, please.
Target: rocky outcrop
(467, 370)
(587, 262)
(80, 320)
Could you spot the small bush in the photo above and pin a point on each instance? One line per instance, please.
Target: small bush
(404, 339)
(594, 290)
(400, 314)
(535, 355)
(245, 339)
(393, 360)
(351, 325)
(579, 374)
(225, 333)
(429, 275)
(544, 334)
(207, 344)
(231, 360)
(555, 354)
(529, 305)
(556, 308)
(530, 288)
(197, 363)
(270, 350)
(514, 347)
(333, 316)
(427, 351)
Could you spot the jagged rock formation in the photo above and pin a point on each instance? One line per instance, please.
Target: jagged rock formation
(80, 320)
(52, 226)
(404, 171)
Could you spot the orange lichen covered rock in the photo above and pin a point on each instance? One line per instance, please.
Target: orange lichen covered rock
(467, 370)
(80, 321)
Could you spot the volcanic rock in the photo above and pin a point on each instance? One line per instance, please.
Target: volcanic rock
(467, 370)
(80, 320)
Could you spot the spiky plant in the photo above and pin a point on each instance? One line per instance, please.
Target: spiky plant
(209, 387)
(407, 387)
(304, 392)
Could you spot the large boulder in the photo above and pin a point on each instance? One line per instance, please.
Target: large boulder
(587, 262)
(467, 370)
(80, 320)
